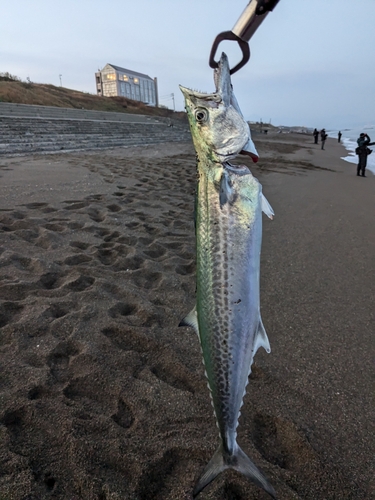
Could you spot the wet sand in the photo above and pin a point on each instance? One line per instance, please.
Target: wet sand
(103, 397)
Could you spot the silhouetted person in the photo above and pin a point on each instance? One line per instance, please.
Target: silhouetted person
(339, 136)
(316, 136)
(323, 136)
(362, 151)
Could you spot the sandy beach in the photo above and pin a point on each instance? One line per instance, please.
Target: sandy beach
(103, 397)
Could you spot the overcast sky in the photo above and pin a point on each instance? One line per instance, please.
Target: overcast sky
(312, 61)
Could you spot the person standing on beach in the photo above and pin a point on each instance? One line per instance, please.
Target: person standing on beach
(323, 136)
(362, 151)
(339, 136)
(316, 135)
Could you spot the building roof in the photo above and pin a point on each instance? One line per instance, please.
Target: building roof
(124, 70)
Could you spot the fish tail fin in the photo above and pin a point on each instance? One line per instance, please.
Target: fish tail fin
(248, 469)
(240, 462)
(212, 470)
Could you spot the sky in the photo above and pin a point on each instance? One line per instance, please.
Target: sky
(312, 61)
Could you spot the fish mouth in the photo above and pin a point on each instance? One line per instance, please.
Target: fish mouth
(252, 155)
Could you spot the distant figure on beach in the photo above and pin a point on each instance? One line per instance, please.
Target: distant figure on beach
(323, 136)
(339, 136)
(316, 136)
(362, 151)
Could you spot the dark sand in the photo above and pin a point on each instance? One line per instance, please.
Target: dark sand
(102, 397)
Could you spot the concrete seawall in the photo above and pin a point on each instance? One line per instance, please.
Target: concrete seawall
(41, 129)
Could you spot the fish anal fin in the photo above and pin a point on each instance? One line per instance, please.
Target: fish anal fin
(191, 320)
(261, 339)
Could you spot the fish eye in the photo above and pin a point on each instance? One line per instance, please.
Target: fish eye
(201, 115)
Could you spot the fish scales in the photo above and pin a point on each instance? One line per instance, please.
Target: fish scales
(226, 317)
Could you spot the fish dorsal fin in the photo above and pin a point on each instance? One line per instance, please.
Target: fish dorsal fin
(191, 320)
(227, 193)
(261, 339)
(266, 207)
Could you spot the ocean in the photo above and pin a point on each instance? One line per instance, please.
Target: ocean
(349, 140)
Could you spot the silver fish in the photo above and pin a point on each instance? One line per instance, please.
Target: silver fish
(229, 207)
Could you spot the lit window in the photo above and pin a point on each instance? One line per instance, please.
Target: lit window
(125, 78)
(136, 80)
(111, 76)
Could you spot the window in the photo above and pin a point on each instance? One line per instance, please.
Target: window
(125, 78)
(136, 80)
(111, 76)
(109, 89)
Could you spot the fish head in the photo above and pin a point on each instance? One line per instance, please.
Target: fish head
(218, 128)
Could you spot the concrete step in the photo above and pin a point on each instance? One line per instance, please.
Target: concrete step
(29, 135)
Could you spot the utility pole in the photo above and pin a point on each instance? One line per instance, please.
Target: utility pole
(174, 107)
(60, 80)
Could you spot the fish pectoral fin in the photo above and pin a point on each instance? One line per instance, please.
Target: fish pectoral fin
(261, 339)
(227, 193)
(266, 207)
(240, 462)
(191, 320)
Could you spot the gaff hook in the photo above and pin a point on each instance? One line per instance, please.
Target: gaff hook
(249, 21)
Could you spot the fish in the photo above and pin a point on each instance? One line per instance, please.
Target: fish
(228, 224)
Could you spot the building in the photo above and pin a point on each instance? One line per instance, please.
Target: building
(115, 81)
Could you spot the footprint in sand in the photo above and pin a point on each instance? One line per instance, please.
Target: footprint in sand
(174, 374)
(9, 311)
(91, 392)
(49, 281)
(114, 208)
(155, 251)
(148, 280)
(81, 283)
(124, 416)
(59, 359)
(280, 442)
(185, 270)
(79, 244)
(162, 475)
(96, 215)
(128, 338)
(123, 309)
(58, 310)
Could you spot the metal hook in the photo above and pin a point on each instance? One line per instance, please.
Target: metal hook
(229, 35)
(251, 18)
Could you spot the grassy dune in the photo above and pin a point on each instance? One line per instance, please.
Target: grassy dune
(49, 95)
